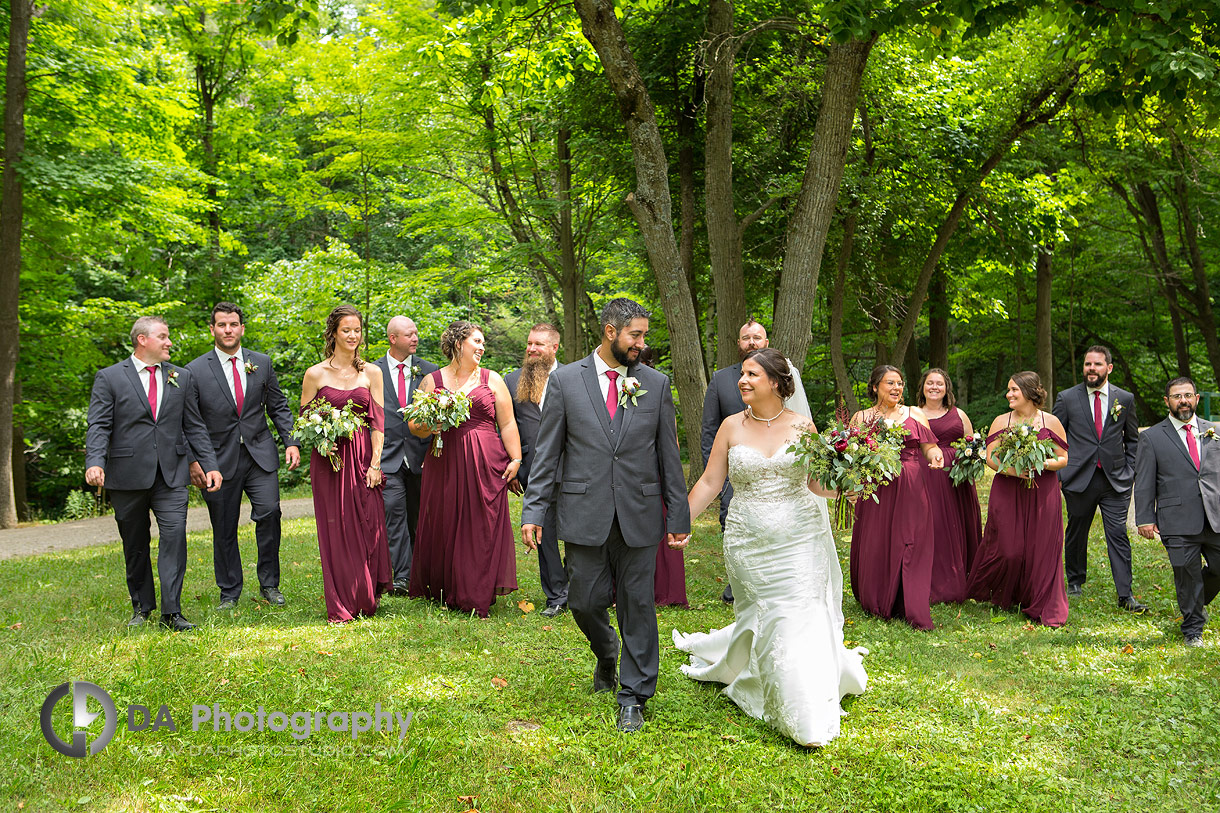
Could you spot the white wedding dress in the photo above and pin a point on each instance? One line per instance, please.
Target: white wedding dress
(783, 660)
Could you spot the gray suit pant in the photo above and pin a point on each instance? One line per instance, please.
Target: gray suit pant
(1081, 507)
(614, 573)
(551, 572)
(1195, 584)
(224, 510)
(401, 491)
(131, 509)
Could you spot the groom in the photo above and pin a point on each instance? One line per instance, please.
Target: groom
(608, 449)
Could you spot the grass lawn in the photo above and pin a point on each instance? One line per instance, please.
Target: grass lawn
(986, 713)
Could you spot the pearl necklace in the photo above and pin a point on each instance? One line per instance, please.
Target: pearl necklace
(750, 412)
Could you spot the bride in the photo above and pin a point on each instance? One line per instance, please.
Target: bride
(783, 660)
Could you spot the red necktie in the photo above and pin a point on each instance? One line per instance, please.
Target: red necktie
(152, 390)
(238, 395)
(612, 393)
(1097, 412)
(402, 384)
(1192, 446)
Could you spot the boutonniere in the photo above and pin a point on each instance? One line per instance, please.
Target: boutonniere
(1115, 410)
(251, 368)
(171, 376)
(631, 391)
(415, 371)
(1210, 434)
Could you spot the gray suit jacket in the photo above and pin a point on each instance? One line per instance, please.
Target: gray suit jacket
(1169, 491)
(125, 441)
(399, 442)
(601, 474)
(262, 398)
(721, 400)
(1115, 449)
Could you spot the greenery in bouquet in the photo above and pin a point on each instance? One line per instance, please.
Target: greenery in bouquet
(439, 409)
(970, 460)
(853, 460)
(321, 425)
(1021, 450)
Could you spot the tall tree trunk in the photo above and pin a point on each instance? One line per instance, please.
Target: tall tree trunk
(12, 215)
(1044, 357)
(571, 283)
(838, 362)
(723, 233)
(652, 206)
(687, 117)
(1181, 350)
(207, 101)
(938, 322)
(810, 220)
(1194, 257)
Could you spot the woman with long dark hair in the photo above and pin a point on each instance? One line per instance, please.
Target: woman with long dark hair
(348, 505)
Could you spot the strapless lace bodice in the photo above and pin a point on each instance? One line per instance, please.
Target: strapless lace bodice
(757, 478)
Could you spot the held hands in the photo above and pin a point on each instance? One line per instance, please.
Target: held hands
(372, 477)
(514, 485)
(95, 476)
(1149, 531)
(531, 535)
(510, 472)
(677, 541)
(198, 478)
(212, 481)
(936, 458)
(292, 456)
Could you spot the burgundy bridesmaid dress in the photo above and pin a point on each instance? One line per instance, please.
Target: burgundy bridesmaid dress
(669, 584)
(463, 553)
(956, 520)
(1020, 562)
(892, 539)
(352, 539)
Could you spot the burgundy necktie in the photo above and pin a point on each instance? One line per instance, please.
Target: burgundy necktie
(612, 393)
(238, 395)
(1192, 446)
(152, 390)
(402, 384)
(1097, 412)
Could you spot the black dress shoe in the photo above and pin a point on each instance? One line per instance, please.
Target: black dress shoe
(1075, 590)
(605, 677)
(176, 622)
(400, 588)
(630, 718)
(1131, 605)
(227, 604)
(553, 610)
(139, 618)
(727, 595)
(273, 596)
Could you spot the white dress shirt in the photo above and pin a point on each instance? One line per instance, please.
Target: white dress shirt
(554, 367)
(227, 367)
(394, 364)
(1104, 389)
(1194, 430)
(603, 381)
(142, 372)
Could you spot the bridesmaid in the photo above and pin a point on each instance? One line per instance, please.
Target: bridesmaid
(891, 541)
(956, 521)
(1020, 561)
(348, 505)
(464, 553)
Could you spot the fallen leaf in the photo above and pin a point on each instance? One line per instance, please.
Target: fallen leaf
(546, 628)
(301, 670)
(993, 646)
(467, 799)
(16, 626)
(224, 681)
(1128, 650)
(499, 682)
(525, 606)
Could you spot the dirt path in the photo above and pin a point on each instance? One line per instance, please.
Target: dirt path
(36, 539)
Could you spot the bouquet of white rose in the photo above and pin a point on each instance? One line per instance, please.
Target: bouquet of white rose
(321, 425)
(970, 461)
(439, 409)
(1021, 450)
(853, 460)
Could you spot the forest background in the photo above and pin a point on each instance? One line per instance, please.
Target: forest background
(978, 185)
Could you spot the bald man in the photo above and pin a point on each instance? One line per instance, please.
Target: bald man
(402, 456)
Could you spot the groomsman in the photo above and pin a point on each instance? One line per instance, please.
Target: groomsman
(402, 457)
(1177, 495)
(143, 413)
(1102, 434)
(724, 399)
(238, 391)
(528, 387)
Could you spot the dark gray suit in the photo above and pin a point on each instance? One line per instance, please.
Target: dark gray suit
(402, 462)
(1099, 473)
(147, 467)
(249, 462)
(550, 562)
(721, 400)
(1184, 503)
(614, 480)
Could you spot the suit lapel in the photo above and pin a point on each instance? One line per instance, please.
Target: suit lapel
(219, 372)
(130, 369)
(628, 411)
(413, 380)
(1205, 443)
(1177, 442)
(588, 371)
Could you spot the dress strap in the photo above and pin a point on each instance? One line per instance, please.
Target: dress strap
(438, 381)
(484, 375)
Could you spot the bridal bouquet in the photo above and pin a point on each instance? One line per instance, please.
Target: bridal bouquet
(321, 425)
(1022, 450)
(439, 409)
(853, 460)
(971, 458)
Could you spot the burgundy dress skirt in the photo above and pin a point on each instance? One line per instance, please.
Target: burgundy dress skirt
(957, 525)
(669, 584)
(892, 539)
(463, 554)
(352, 539)
(1020, 562)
